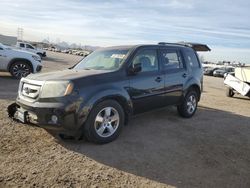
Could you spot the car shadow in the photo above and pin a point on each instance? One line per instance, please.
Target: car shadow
(212, 149)
(241, 97)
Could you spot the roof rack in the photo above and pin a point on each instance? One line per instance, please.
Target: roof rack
(166, 43)
(195, 46)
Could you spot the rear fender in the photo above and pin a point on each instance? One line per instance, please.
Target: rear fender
(193, 83)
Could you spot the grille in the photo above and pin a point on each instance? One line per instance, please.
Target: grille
(29, 90)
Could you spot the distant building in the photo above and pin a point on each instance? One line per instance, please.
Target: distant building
(8, 40)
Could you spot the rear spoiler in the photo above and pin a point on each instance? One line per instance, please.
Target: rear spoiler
(196, 46)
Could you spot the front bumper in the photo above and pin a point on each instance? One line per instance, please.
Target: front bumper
(42, 116)
(38, 68)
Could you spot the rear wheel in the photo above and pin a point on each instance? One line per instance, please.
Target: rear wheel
(189, 105)
(229, 92)
(20, 69)
(105, 122)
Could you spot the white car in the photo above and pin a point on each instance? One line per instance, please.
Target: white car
(30, 48)
(18, 62)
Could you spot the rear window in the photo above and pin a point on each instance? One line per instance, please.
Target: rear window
(191, 59)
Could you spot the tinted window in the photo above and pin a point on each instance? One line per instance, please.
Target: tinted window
(171, 60)
(148, 60)
(191, 59)
(22, 45)
(29, 46)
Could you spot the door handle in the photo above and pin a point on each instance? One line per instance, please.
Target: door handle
(184, 75)
(158, 79)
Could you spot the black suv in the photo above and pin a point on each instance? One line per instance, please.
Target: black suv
(96, 97)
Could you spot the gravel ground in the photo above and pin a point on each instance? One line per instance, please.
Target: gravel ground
(156, 149)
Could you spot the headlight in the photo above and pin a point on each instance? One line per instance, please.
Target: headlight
(36, 58)
(52, 89)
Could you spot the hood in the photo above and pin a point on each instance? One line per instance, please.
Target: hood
(22, 51)
(68, 74)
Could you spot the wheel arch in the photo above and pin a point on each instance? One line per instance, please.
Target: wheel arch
(121, 97)
(194, 86)
(125, 104)
(20, 59)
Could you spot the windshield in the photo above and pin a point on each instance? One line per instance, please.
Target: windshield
(110, 59)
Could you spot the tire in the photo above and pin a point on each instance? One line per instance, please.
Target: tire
(189, 105)
(41, 55)
(20, 69)
(105, 122)
(229, 92)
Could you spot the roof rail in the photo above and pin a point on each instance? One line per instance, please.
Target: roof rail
(166, 43)
(195, 46)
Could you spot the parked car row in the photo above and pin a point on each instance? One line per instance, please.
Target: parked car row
(217, 71)
(69, 51)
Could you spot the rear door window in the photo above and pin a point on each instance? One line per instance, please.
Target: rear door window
(172, 60)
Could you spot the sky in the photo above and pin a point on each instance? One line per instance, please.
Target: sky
(222, 24)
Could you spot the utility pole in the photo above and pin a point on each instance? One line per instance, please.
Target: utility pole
(20, 33)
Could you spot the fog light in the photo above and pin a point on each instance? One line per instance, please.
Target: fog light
(54, 119)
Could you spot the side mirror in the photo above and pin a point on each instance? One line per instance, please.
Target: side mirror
(135, 69)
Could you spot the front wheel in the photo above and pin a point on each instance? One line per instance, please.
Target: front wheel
(229, 92)
(105, 122)
(189, 105)
(20, 69)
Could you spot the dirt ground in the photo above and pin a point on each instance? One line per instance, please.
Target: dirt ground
(156, 149)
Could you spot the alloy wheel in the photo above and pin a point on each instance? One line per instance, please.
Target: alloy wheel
(191, 104)
(20, 70)
(107, 122)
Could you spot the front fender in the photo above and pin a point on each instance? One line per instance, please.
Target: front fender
(119, 95)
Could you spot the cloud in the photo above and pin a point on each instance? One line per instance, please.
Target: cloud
(130, 21)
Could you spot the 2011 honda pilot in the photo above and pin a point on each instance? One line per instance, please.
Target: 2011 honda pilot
(96, 97)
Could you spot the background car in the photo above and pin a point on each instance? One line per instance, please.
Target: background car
(221, 71)
(18, 62)
(209, 70)
(28, 47)
(127, 80)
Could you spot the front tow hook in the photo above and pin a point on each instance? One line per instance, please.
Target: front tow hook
(12, 110)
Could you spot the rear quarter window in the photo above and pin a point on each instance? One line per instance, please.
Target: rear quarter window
(191, 59)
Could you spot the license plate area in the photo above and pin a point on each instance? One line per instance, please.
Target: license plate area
(22, 115)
